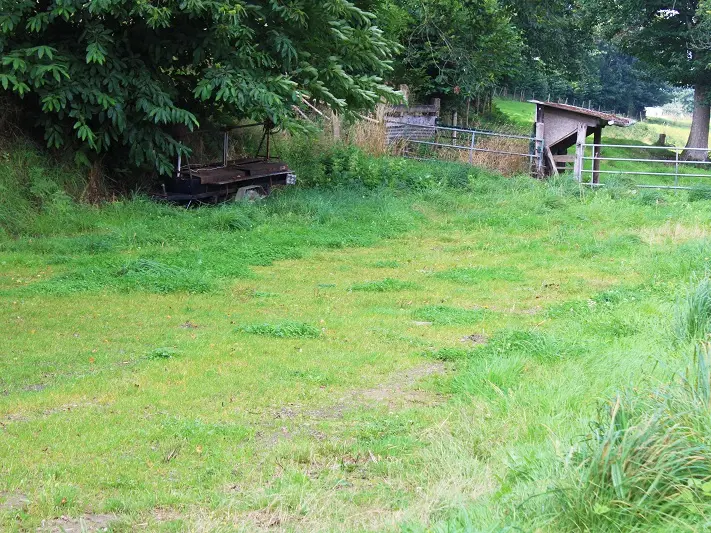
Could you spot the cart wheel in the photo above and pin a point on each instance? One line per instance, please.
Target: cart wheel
(251, 192)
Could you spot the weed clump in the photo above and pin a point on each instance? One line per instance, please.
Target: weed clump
(155, 276)
(386, 285)
(450, 354)
(534, 344)
(693, 316)
(386, 264)
(698, 194)
(282, 330)
(647, 460)
(163, 353)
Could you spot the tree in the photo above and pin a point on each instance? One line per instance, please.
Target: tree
(665, 36)
(117, 76)
(558, 42)
(452, 48)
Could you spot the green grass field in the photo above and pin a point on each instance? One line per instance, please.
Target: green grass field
(351, 360)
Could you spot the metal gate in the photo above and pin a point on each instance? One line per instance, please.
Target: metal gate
(589, 157)
(507, 153)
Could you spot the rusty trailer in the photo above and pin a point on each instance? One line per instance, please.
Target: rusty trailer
(213, 183)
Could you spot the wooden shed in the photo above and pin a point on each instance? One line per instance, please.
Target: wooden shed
(562, 126)
(411, 122)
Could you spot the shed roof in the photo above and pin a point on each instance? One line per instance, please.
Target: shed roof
(612, 120)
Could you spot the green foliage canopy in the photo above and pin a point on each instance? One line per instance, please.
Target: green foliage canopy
(123, 76)
(452, 47)
(664, 34)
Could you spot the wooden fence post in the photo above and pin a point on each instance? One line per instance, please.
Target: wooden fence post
(539, 142)
(580, 152)
(336, 124)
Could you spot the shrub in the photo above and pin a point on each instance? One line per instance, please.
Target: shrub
(117, 77)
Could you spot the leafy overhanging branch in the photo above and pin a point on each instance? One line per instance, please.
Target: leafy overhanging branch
(125, 76)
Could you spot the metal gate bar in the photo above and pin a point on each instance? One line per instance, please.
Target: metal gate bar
(678, 163)
(427, 135)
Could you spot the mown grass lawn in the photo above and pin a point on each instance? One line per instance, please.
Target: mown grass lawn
(330, 361)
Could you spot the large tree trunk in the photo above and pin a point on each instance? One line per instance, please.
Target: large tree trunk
(699, 135)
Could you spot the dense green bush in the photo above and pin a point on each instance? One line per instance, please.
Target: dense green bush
(319, 164)
(126, 78)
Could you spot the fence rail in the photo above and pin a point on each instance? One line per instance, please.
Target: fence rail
(596, 158)
(426, 142)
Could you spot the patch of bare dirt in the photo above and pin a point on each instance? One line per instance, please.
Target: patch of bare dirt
(34, 388)
(265, 518)
(64, 408)
(87, 523)
(13, 501)
(399, 389)
(161, 514)
(475, 339)
(398, 392)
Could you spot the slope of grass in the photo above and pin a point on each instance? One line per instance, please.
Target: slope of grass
(338, 360)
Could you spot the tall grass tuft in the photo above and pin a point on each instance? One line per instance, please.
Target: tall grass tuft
(693, 315)
(646, 464)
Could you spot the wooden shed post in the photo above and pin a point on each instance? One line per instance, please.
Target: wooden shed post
(539, 148)
(597, 140)
(580, 152)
